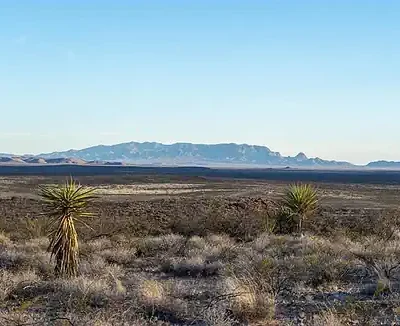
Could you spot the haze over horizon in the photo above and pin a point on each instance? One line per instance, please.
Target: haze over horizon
(313, 77)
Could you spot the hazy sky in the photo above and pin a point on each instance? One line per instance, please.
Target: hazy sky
(321, 77)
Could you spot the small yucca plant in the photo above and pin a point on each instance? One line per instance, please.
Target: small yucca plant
(65, 205)
(300, 201)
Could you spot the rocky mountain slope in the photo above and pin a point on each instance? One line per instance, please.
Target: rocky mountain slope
(184, 154)
(188, 153)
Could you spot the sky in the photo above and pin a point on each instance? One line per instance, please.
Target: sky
(321, 77)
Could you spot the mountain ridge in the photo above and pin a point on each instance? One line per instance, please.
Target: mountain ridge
(183, 153)
(382, 164)
(190, 153)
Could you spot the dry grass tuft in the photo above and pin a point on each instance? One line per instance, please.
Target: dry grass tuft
(10, 280)
(381, 257)
(80, 293)
(18, 318)
(167, 245)
(217, 317)
(118, 255)
(4, 239)
(152, 291)
(328, 318)
(248, 302)
(11, 258)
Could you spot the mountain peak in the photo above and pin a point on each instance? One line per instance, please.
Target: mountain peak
(301, 157)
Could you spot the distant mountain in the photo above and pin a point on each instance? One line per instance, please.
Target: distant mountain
(11, 160)
(24, 160)
(188, 153)
(384, 165)
(151, 153)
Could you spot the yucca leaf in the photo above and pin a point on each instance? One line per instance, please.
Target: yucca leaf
(300, 201)
(65, 204)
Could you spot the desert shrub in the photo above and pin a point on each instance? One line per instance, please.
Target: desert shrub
(167, 244)
(324, 265)
(239, 220)
(272, 275)
(18, 318)
(219, 240)
(93, 265)
(280, 246)
(381, 257)
(192, 267)
(367, 313)
(328, 318)
(213, 248)
(36, 227)
(83, 293)
(195, 243)
(78, 294)
(355, 312)
(25, 255)
(313, 260)
(156, 303)
(10, 258)
(282, 221)
(119, 255)
(10, 281)
(33, 246)
(354, 224)
(247, 301)
(97, 245)
(217, 317)
(43, 267)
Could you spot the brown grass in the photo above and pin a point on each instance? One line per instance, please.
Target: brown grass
(201, 261)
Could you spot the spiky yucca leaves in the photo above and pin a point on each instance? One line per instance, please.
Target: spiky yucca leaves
(300, 201)
(65, 204)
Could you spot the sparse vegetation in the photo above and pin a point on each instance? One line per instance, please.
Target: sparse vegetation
(381, 257)
(199, 261)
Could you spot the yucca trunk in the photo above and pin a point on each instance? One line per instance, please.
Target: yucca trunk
(300, 225)
(64, 247)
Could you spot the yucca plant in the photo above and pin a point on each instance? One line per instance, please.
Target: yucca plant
(300, 201)
(65, 205)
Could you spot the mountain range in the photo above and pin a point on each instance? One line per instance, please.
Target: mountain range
(188, 154)
(183, 154)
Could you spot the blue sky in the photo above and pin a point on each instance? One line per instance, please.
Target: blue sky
(321, 77)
